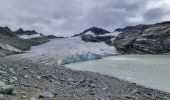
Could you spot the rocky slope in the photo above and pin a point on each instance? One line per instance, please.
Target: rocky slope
(144, 39)
(24, 80)
(16, 42)
(95, 34)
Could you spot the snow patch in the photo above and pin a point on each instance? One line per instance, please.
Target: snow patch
(90, 33)
(30, 36)
(111, 34)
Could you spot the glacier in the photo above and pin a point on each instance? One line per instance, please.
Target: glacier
(79, 57)
(67, 50)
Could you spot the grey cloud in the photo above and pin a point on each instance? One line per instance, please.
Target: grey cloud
(154, 14)
(67, 17)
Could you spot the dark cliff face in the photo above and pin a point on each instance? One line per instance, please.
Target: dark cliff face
(99, 35)
(20, 31)
(5, 31)
(144, 39)
(95, 30)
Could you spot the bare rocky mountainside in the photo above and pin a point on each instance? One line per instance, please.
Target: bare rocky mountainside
(144, 39)
(95, 34)
(19, 41)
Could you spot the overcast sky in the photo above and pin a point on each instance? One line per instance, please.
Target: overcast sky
(67, 17)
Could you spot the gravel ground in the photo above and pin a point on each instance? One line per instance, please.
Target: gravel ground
(44, 82)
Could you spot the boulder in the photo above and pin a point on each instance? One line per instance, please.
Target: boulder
(6, 89)
(47, 95)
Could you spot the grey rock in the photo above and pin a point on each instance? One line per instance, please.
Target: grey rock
(1, 97)
(2, 72)
(8, 89)
(144, 39)
(99, 35)
(95, 30)
(46, 95)
(2, 84)
(93, 38)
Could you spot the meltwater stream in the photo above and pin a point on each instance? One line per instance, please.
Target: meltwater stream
(152, 71)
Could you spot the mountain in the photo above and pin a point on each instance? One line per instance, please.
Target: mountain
(144, 39)
(93, 30)
(11, 41)
(95, 34)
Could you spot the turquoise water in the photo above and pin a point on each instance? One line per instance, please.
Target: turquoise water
(149, 70)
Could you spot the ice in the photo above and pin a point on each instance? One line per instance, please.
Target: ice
(57, 49)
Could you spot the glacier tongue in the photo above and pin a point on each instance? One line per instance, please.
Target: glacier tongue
(67, 50)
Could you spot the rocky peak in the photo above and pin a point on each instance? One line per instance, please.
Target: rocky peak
(5, 31)
(20, 31)
(95, 30)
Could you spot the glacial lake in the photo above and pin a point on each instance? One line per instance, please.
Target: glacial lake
(151, 71)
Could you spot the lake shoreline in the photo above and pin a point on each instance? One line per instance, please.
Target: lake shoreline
(69, 84)
(132, 68)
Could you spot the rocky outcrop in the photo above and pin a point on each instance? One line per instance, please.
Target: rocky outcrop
(53, 37)
(11, 43)
(9, 48)
(95, 34)
(95, 30)
(144, 39)
(92, 38)
(5, 31)
(20, 31)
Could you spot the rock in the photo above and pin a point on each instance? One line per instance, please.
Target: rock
(26, 76)
(144, 39)
(12, 70)
(33, 98)
(8, 89)
(95, 34)
(53, 37)
(46, 95)
(95, 30)
(92, 38)
(2, 84)
(1, 97)
(13, 79)
(89, 38)
(2, 72)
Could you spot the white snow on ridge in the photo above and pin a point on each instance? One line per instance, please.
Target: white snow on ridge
(29, 36)
(53, 51)
(111, 34)
(90, 33)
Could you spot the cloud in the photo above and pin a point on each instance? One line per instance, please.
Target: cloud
(154, 14)
(68, 17)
